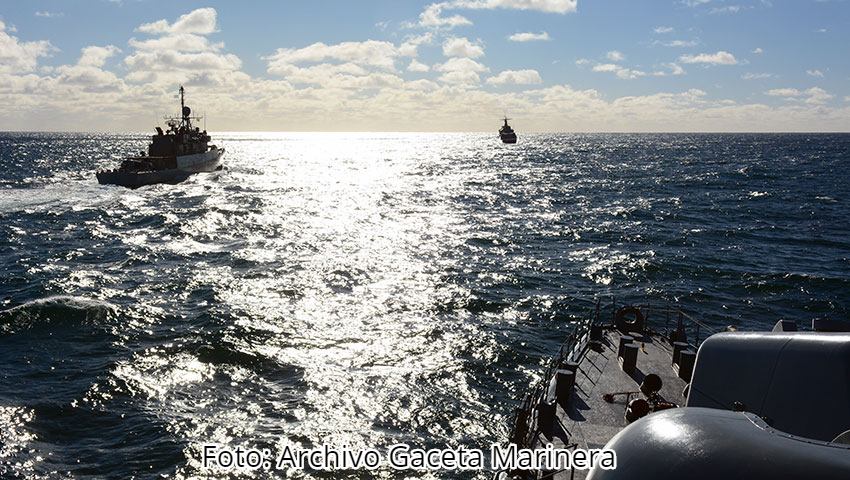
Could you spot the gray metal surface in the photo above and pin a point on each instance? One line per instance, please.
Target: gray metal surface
(702, 443)
(798, 381)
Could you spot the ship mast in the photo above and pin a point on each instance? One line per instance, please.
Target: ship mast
(183, 107)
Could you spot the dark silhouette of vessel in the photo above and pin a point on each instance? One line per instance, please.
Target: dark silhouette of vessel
(172, 156)
(506, 133)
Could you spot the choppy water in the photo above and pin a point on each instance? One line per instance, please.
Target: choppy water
(371, 289)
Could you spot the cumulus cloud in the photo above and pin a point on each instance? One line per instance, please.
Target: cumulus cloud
(462, 47)
(756, 76)
(719, 58)
(675, 69)
(551, 6)
(459, 64)
(460, 71)
(432, 17)
(95, 56)
(409, 48)
(528, 37)
(460, 78)
(622, 72)
(681, 43)
(758, 50)
(200, 21)
(663, 29)
(17, 56)
(812, 96)
(417, 66)
(371, 52)
(725, 10)
(184, 42)
(814, 73)
(180, 52)
(165, 61)
(783, 92)
(516, 77)
(47, 14)
(615, 56)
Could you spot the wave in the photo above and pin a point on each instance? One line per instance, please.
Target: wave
(55, 309)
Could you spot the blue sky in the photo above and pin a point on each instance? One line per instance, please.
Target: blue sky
(457, 65)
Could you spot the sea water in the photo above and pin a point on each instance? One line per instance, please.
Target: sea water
(362, 291)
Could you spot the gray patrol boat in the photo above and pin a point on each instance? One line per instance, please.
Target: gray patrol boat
(736, 405)
(506, 133)
(172, 156)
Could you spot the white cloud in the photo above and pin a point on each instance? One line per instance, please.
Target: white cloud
(417, 66)
(516, 77)
(200, 21)
(371, 52)
(95, 56)
(460, 71)
(183, 42)
(17, 56)
(681, 43)
(458, 64)
(783, 92)
(166, 61)
(814, 73)
(694, 3)
(756, 76)
(812, 96)
(317, 74)
(460, 78)
(719, 58)
(758, 50)
(551, 6)
(528, 37)
(462, 47)
(582, 61)
(615, 56)
(675, 69)
(431, 17)
(411, 44)
(49, 14)
(725, 10)
(622, 72)
(663, 29)
(817, 96)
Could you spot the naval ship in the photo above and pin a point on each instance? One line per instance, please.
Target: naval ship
(506, 133)
(172, 156)
(735, 405)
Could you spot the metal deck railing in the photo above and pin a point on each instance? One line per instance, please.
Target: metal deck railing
(682, 327)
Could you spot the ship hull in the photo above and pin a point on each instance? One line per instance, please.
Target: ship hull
(187, 165)
(508, 138)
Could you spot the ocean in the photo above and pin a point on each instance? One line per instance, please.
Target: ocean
(362, 290)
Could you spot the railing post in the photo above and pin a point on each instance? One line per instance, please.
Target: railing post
(613, 310)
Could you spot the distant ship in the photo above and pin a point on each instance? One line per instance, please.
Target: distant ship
(506, 133)
(172, 156)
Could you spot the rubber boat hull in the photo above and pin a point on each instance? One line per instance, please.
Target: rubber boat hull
(187, 165)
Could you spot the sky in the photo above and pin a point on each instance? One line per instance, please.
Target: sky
(456, 65)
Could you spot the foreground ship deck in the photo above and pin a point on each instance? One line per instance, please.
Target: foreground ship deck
(587, 421)
(673, 407)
